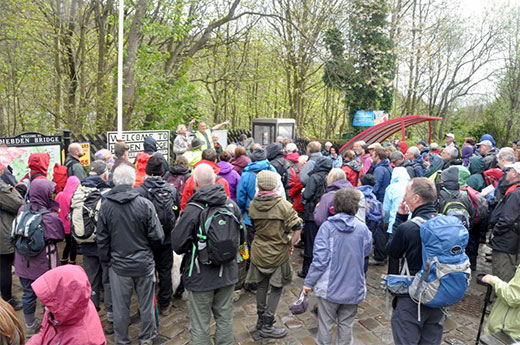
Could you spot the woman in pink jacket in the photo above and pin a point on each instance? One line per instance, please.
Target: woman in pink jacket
(64, 198)
(70, 317)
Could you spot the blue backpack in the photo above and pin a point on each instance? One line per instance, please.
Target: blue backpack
(445, 273)
(373, 211)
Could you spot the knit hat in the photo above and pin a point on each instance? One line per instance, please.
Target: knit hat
(98, 167)
(258, 154)
(120, 148)
(155, 166)
(451, 174)
(267, 180)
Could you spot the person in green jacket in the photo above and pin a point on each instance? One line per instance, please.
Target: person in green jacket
(273, 219)
(476, 168)
(505, 315)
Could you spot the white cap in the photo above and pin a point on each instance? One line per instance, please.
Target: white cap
(486, 143)
(451, 135)
(515, 166)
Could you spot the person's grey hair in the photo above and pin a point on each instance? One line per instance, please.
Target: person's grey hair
(415, 151)
(303, 159)
(360, 142)
(231, 149)
(452, 151)
(396, 156)
(507, 154)
(73, 148)
(291, 147)
(347, 201)
(334, 175)
(204, 175)
(314, 146)
(180, 127)
(124, 175)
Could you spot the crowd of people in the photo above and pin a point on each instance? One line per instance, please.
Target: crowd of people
(234, 215)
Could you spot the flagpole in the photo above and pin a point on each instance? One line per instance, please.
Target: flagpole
(120, 71)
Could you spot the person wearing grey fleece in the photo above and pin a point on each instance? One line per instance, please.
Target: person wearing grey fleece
(314, 152)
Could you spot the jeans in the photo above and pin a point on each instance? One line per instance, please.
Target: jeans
(28, 297)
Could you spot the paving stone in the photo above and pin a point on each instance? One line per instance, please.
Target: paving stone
(370, 324)
(293, 324)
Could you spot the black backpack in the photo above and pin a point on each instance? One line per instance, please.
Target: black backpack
(162, 199)
(218, 235)
(281, 166)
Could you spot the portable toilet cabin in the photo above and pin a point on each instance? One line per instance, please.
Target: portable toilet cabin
(265, 131)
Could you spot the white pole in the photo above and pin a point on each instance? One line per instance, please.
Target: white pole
(120, 71)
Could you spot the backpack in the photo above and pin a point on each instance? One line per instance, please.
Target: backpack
(140, 168)
(218, 236)
(177, 182)
(373, 212)
(480, 204)
(27, 233)
(60, 177)
(492, 176)
(445, 273)
(162, 200)
(281, 166)
(455, 208)
(84, 213)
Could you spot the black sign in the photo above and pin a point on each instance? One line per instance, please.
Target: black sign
(31, 139)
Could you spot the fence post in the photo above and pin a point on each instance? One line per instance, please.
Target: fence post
(66, 140)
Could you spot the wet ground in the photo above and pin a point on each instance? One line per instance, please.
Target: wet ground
(371, 326)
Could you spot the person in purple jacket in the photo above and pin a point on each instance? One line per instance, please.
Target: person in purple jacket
(40, 198)
(341, 249)
(228, 172)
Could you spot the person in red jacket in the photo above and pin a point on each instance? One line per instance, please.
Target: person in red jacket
(70, 317)
(209, 157)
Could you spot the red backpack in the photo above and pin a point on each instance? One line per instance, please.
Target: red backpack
(140, 167)
(492, 176)
(479, 203)
(59, 176)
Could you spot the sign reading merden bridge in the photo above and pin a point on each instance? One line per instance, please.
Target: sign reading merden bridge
(135, 140)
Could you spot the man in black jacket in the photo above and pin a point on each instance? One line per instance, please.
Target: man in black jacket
(406, 243)
(274, 154)
(127, 230)
(162, 254)
(209, 288)
(505, 221)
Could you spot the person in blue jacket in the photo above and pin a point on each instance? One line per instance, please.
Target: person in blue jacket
(382, 172)
(340, 250)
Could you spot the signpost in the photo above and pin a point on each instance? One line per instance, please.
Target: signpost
(135, 140)
(28, 143)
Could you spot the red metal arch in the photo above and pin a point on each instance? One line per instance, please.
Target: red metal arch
(384, 130)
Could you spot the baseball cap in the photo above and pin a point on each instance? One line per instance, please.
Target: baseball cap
(421, 142)
(515, 166)
(485, 142)
(98, 167)
(120, 148)
(451, 135)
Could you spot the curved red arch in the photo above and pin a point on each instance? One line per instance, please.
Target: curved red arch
(384, 130)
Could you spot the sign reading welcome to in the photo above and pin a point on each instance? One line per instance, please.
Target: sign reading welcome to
(135, 140)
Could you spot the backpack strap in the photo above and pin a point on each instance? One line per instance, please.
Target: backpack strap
(511, 189)
(418, 221)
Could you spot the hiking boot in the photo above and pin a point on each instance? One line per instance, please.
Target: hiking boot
(32, 329)
(269, 331)
(64, 262)
(260, 321)
(302, 274)
(16, 304)
(109, 328)
(251, 287)
(165, 311)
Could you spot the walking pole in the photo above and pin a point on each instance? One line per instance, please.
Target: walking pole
(487, 299)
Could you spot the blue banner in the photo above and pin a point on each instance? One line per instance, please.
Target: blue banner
(364, 118)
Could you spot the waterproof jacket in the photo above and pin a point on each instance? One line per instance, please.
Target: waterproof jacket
(436, 163)
(353, 171)
(309, 166)
(150, 147)
(127, 229)
(71, 317)
(231, 176)
(316, 187)
(240, 163)
(490, 159)
(63, 198)
(325, 207)
(184, 235)
(8, 176)
(506, 309)
(394, 195)
(40, 198)
(504, 221)
(273, 219)
(476, 168)
(181, 144)
(39, 165)
(246, 189)
(10, 203)
(340, 249)
(157, 182)
(383, 175)
(189, 186)
(295, 189)
(90, 248)
(406, 239)
(336, 162)
(74, 168)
